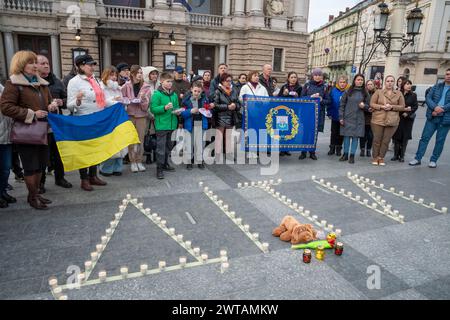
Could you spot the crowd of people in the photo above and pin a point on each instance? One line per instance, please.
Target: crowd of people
(160, 102)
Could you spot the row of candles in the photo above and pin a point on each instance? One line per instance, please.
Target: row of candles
(387, 209)
(237, 220)
(296, 207)
(162, 265)
(264, 183)
(400, 193)
(124, 272)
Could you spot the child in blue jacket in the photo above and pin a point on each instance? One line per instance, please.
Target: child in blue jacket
(195, 118)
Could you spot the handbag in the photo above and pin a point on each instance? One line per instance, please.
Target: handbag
(34, 133)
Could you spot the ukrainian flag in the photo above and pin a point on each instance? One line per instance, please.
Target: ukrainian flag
(88, 140)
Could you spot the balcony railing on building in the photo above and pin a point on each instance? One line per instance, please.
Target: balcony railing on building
(28, 6)
(124, 13)
(205, 20)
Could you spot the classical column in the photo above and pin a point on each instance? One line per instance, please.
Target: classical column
(106, 51)
(143, 58)
(301, 11)
(160, 4)
(56, 59)
(397, 18)
(9, 47)
(301, 8)
(148, 4)
(222, 54)
(257, 7)
(226, 8)
(239, 7)
(188, 57)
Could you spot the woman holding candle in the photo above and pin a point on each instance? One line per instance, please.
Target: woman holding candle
(113, 95)
(365, 143)
(291, 89)
(226, 106)
(316, 88)
(386, 105)
(404, 131)
(351, 116)
(26, 99)
(139, 95)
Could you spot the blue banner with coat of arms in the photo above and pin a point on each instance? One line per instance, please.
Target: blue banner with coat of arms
(280, 124)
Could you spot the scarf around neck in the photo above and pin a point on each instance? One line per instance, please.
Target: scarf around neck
(99, 94)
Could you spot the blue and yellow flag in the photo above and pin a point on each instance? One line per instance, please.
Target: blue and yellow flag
(88, 140)
(280, 124)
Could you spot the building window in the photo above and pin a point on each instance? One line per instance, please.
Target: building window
(447, 45)
(278, 57)
(206, 6)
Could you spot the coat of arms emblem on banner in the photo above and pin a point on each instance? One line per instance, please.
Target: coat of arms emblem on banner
(284, 118)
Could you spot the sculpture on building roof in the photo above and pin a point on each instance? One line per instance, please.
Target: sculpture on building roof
(274, 7)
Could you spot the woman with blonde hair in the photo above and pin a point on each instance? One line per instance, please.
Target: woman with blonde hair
(386, 105)
(113, 95)
(26, 99)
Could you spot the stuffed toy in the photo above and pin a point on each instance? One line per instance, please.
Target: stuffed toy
(295, 232)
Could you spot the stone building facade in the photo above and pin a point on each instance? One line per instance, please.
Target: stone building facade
(243, 33)
(424, 63)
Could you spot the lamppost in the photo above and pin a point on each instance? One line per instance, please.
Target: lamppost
(394, 40)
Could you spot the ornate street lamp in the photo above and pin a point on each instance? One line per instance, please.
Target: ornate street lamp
(172, 38)
(384, 37)
(382, 18)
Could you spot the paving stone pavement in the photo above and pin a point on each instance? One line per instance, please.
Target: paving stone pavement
(413, 257)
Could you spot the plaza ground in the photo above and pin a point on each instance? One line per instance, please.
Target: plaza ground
(413, 257)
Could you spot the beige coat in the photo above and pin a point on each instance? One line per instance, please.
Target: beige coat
(387, 118)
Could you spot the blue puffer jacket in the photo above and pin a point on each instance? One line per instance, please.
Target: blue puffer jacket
(333, 108)
(187, 115)
(433, 98)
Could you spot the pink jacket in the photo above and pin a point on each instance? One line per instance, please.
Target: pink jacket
(138, 110)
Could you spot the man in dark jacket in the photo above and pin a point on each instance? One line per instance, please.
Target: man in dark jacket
(223, 68)
(266, 79)
(438, 120)
(180, 86)
(58, 92)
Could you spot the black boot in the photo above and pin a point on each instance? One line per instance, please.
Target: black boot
(338, 151)
(9, 199)
(352, 159)
(3, 203)
(302, 155)
(344, 157)
(368, 153)
(312, 155)
(396, 151)
(401, 158)
(167, 167)
(332, 150)
(363, 152)
(159, 173)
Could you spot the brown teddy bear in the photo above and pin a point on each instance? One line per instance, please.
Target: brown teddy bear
(295, 232)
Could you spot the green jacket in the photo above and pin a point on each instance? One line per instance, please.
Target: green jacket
(164, 120)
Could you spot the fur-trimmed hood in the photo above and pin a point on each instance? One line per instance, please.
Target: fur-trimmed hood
(19, 79)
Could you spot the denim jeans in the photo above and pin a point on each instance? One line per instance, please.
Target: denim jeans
(354, 145)
(5, 165)
(428, 131)
(112, 165)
